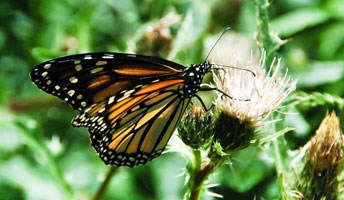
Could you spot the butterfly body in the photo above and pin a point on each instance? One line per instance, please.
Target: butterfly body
(130, 103)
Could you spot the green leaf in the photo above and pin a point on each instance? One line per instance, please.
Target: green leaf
(296, 21)
(331, 41)
(248, 168)
(320, 73)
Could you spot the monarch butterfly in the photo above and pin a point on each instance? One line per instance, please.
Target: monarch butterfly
(131, 104)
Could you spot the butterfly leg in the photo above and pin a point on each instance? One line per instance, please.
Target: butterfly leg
(218, 90)
(210, 89)
(222, 93)
(203, 104)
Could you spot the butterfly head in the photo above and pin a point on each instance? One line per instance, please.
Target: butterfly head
(194, 75)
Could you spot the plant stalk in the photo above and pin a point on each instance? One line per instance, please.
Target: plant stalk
(199, 174)
(267, 41)
(199, 178)
(105, 183)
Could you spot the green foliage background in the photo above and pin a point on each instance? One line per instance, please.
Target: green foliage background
(43, 157)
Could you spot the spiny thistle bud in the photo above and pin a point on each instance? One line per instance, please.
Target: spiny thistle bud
(254, 98)
(319, 177)
(196, 128)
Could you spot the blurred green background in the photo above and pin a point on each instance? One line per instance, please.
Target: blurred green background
(43, 157)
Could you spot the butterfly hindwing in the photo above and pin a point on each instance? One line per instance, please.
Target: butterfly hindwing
(135, 129)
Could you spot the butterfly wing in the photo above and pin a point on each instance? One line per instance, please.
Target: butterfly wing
(131, 130)
(84, 79)
(131, 104)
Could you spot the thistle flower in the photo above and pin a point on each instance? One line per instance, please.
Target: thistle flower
(254, 98)
(319, 177)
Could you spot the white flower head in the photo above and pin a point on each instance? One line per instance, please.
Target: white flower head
(254, 97)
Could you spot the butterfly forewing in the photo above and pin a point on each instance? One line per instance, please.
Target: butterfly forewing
(84, 79)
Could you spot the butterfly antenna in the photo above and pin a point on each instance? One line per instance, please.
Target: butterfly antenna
(217, 41)
(238, 68)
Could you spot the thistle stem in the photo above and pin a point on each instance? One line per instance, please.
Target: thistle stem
(200, 176)
(280, 169)
(267, 41)
(198, 159)
(270, 43)
(105, 183)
